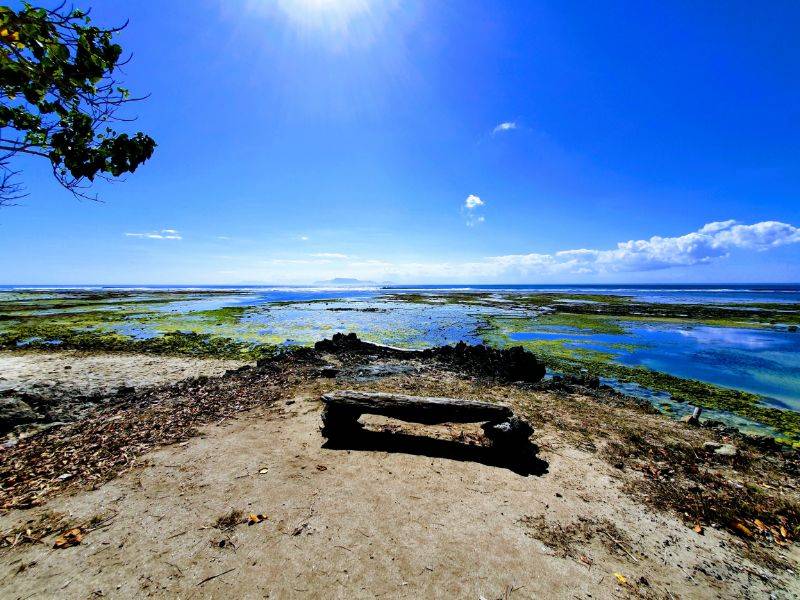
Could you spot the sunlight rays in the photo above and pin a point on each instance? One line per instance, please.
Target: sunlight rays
(336, 22)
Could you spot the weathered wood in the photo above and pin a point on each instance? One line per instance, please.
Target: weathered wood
(416, 409)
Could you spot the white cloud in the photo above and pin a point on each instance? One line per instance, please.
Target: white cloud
(717, 226)
(711, 242)
(303, 238)
(164, 234)
(714, 241)
(470, 209)
(472, 201)
(329, 255)
(708, 244)
(506, 126)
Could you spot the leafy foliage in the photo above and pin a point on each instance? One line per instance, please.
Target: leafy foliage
(59, 98)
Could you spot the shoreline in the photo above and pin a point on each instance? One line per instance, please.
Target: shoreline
(609, 456)
(205, 325)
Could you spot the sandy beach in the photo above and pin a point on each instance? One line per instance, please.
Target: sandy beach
(404, 518)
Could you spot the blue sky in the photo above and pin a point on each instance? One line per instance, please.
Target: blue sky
(453, 141)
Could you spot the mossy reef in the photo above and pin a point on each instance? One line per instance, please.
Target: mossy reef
(230, 324)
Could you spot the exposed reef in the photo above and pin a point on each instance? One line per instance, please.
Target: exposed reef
(508, 364)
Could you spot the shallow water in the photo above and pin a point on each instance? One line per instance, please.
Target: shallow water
(764, 362)
(393, 323)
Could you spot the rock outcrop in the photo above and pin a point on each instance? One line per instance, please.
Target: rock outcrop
(15, 411)
(508, 364)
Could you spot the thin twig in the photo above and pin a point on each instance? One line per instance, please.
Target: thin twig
(623, 548)
(207, 579)
(177, 534)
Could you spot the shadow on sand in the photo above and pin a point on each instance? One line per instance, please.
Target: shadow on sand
(522, 461)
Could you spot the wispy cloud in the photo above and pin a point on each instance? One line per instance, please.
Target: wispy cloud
(329, 255)
(505, 126)
(300, 261)
(303, 238)
(163, 234)
(471, 208)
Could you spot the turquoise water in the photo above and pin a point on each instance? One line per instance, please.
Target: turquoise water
(764, 362)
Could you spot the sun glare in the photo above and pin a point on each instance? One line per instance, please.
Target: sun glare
(334, 16)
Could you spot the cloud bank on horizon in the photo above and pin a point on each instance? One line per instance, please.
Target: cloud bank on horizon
(714, 241)
(710, 242)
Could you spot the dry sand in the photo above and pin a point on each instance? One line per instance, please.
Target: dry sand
(349, 523)
(362, 524)
(72, 372)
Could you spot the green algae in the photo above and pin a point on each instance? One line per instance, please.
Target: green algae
(588, 323)
(558, 357)
(31, 302)
(707, 314)
(477, 298)
(104, 323)
(593, 323)
(578, 310)
(50, 336)
(549, 299)
(231, 315)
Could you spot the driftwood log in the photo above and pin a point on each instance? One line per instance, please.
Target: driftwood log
(343, 408)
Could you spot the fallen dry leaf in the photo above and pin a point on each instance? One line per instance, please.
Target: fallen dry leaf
(698, 529)
(743, 529)
(256, 518)
(71, 537)
(760, 525)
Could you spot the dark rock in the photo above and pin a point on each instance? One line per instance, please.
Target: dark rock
(510, 364)
(569, 382)
(350, 343)
(15, 411)
(239, 371)
(329, 371)
(763, 442)
(691, 420)
(341, 342)
(792, 328)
